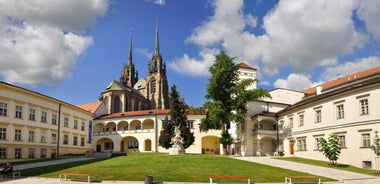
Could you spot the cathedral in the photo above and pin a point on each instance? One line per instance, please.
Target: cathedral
(133, 94)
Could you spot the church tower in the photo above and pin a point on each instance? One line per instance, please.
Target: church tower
(128, 75)
(157, 83)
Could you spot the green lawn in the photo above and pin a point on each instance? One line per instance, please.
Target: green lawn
(164, 167)
(326, 164)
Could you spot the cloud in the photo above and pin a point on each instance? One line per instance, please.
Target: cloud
(40, 41)
(347, 68)
(192, 66)
(297, 82)
(301, 82)
(159, 2)
(369, 11)
(299, 34)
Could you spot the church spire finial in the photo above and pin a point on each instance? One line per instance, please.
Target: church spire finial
(157, 51)
(130, 47)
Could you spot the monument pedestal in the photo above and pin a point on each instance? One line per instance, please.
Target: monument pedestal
(176, 151)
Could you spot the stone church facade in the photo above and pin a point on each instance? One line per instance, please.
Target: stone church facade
(133, 94)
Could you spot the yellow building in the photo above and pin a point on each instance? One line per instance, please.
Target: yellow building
(33, 125)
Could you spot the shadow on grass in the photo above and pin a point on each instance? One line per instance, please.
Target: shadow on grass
(37, 171)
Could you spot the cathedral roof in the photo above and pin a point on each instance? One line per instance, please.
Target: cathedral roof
(140, 84)
(114, 85)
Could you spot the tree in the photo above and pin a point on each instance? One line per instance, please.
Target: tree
(227, 97)
(178, 118)
(376, 144)
(331, 148)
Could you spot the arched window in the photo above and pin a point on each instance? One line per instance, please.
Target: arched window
(116, 104)
(153, 86)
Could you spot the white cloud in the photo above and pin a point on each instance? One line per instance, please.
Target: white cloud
(40, 41)
(369, 11)
(348, 68)
(300, 34)
(298, 82)
(159, 2)
(192, 66)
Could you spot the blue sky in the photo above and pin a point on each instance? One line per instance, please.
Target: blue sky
(71, 50)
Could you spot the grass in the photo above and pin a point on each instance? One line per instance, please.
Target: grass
(164, 167)
(326, 164)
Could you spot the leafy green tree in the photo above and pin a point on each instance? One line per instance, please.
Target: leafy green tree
(330, 148)
(227, 97)
(178, 118)
(376, 144)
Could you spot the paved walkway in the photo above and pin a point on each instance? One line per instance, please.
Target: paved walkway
(340, 175)
(345, 177)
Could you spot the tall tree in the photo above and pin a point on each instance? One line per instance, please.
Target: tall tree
(227, 97)
(178, 119)
(330, 148)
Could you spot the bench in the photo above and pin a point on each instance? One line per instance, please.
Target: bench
(231, 177)
(65, 175)
(288, 179)
(16, 174)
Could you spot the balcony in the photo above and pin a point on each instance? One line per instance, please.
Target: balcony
(264, 132)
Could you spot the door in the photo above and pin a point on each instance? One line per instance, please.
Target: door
(98, 148)
(291, 146)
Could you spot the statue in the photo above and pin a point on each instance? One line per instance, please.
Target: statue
(177, 142)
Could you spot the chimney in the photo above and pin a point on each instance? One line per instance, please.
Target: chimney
(319, 89)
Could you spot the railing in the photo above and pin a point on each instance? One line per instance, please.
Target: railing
(101, 133)
(264, 132)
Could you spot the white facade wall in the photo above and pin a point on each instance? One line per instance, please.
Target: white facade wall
(351, 127)
(36, 135)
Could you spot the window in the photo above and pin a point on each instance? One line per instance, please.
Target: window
(316, 143)
(191, 124)
(18, 135)
(342, 141)
(318, 116)
(138, 127)
(82, 125)
(340, 111)
(364, 107)
(82, 141)
(3, 153)
(31, 135)
(54, 119)
(75, 141)
(291, 122)
(301, 144)
(66, 122)
(18, 113)
(153, 86)
(301, 119)
(75, 124)
(133, 145)
(3, 109)
(43, 137)
(43, 116)
(32, 114)
(18, 153)
(53, 138)
(65, 139)
(116, 104)
(31, 152)
(3, 133)
(108, 146)
(366, 140)
(43, 153)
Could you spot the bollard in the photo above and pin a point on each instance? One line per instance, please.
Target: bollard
(148, 179)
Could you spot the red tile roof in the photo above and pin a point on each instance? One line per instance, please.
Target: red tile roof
(90, 107)
(137, 113)
(344, 80)
(246, 66)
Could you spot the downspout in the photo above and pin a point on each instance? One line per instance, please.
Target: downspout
(156, 131)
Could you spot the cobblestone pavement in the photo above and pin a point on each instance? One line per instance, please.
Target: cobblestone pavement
(345, 177)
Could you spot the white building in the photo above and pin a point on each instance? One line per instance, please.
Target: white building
(348, 106)
(33, 125)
